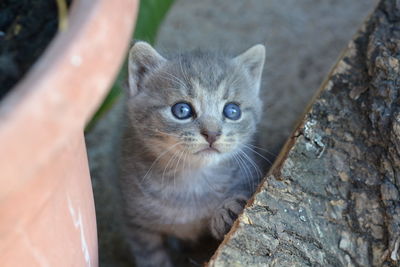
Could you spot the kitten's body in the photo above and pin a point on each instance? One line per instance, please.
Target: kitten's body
(179, 200)
(174, 179)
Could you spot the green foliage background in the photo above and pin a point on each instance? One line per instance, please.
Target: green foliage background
(151, 14)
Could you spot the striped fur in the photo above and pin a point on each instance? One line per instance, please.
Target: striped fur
(168, 187)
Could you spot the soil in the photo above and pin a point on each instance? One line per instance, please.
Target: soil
(26, 28)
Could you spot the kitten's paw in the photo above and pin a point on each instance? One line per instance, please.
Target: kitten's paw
(223, 218)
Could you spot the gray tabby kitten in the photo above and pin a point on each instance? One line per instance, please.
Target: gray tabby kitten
(186, 167)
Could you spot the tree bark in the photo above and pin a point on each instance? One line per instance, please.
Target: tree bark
(332, 196)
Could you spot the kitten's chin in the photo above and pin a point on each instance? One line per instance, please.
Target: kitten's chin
(207, 151)
(209, 157)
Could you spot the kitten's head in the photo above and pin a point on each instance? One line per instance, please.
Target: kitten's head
(200, 106)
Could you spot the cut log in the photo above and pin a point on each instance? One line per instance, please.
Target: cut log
(332, 196)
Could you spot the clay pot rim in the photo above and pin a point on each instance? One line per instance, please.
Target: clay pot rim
(63, 88)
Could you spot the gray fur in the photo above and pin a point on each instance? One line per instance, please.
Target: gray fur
(168, 188)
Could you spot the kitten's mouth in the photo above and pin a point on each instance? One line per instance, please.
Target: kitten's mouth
(207, 150)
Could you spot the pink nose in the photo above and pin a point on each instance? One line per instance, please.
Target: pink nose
(210, 136)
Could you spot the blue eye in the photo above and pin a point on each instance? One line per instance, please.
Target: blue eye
(182, 111)
(232, 111)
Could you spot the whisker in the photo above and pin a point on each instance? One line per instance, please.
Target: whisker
(256, 168)
(159, 157)
(263, 149)
(258, 154)
(177, 164)
(173, 78)
(242, 170)
(166, 167)
(189, 164)
(161, 132)
(249, 171)
(184, 163)
(251, 161)
(173, 81)
(185, 76)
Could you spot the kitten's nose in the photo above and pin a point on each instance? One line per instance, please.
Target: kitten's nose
(210, 136)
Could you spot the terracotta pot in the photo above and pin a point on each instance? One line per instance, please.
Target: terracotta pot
(47, 215)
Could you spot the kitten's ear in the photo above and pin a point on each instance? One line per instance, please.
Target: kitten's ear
(143, 59)
(253, 61)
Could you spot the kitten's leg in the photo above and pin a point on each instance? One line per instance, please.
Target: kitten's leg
(148, 248)
(223, 217)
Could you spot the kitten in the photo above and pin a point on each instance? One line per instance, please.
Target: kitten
(186, 167)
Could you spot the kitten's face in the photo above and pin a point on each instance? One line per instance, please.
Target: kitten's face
(200, 107)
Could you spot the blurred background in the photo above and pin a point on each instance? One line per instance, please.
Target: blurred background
(303, 40)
